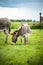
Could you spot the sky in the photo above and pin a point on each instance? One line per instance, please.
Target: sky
(21, 9)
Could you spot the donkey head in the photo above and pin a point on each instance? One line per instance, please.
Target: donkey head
(14, 36)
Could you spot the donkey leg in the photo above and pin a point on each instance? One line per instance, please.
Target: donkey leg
(6, 41)
(26, 39)
(21, 38)
(6, 36)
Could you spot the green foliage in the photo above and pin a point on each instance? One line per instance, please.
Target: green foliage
(36, 27)
(33, 25)
(15, 25)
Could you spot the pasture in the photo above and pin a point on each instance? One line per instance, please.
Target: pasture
(21, 54)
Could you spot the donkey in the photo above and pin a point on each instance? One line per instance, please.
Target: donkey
(22, 31)
(5, 26)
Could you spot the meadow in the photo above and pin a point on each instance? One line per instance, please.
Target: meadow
(21, 54)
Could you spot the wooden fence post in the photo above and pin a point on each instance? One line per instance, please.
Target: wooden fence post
(40, 18)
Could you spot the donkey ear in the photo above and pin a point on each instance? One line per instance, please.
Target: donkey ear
(11, 33)
(16, 33)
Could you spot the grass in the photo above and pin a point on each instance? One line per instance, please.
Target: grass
(21, 54)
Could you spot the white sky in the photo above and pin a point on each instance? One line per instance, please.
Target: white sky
(21, 9)
(24, 12)
(17, 13)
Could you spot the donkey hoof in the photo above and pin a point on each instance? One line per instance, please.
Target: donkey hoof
(12, 43)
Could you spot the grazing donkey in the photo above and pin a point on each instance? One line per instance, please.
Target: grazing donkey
(23, 30)
(5, 26)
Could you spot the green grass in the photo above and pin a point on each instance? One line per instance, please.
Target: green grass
(21, 54)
